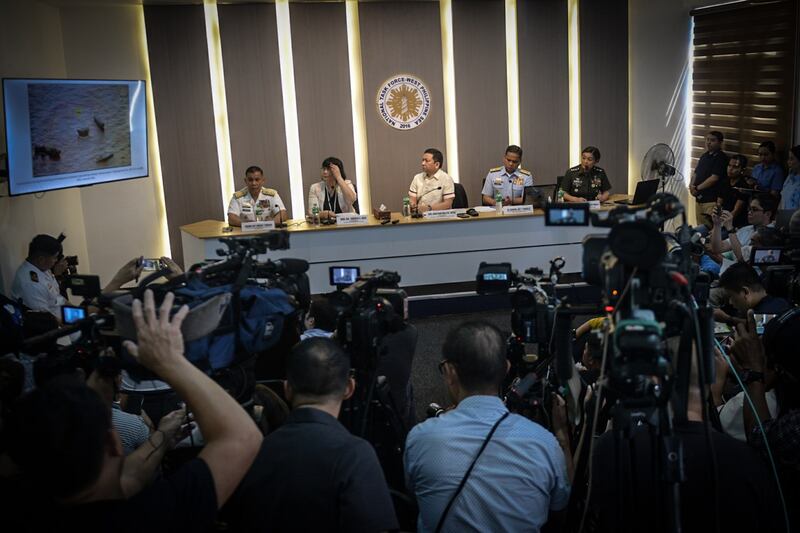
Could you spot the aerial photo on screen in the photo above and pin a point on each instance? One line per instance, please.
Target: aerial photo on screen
(78, 127)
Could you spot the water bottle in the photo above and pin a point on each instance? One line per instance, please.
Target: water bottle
(560, 195)
(315, 214)
(406, 207)
(498, 202)
(258, 212)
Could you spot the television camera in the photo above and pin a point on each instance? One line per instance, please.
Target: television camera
(369, 309)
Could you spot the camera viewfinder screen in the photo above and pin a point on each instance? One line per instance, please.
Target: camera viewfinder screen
(567, 216)
(344, 275)
(766, 256)
(70, 315)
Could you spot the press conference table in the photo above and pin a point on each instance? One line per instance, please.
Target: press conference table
(423, 251)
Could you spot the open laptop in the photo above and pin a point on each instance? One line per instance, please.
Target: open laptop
(537, 195)
(644, 190)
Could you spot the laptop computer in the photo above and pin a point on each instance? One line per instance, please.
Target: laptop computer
(644, 190)
(537, 195)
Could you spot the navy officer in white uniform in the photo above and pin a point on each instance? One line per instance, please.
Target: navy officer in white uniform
(509, 180)
(255, 201)
(35, 282)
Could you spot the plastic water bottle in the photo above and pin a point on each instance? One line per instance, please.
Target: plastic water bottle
(315, 214)
(258, 213)
(406, 207)
(560, 195)
(498, 201)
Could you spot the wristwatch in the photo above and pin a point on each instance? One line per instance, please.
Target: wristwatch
(751, 376)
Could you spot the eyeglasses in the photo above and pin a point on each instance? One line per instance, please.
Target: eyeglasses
(752, 209)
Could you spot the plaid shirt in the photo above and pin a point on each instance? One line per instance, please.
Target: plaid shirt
(783, 435)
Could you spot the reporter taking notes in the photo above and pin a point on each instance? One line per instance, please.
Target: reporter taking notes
(431, 189)
(255, 202)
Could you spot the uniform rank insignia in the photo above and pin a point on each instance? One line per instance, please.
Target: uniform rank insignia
(34, 277)
(263, 203)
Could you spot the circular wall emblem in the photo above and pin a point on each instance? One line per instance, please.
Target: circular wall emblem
(404, 102)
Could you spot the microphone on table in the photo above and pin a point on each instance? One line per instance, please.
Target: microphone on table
(417, 214)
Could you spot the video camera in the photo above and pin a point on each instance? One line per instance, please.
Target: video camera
(532, 301)
(369, 309)
(534, 318)
(781, 267)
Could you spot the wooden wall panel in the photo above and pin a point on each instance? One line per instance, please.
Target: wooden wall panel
(251, 62)
(400, 38)
(481, 93)
(176, 40)
(544, 87)
(322, 81)
(604, 85)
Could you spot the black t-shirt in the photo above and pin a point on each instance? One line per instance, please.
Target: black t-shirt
(711, 164)
(313, 475)
(729, 195)
(772, 305)
(748, 496)
(184, 501)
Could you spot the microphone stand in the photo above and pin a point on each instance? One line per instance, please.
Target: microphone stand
(416, 213)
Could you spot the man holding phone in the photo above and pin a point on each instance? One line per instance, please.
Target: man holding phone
(35, 283)
(745, 291)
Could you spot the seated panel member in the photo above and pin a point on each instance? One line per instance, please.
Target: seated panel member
(255, 200)
(423, 193)
(334, 193)
(509, 180)
(586, 181)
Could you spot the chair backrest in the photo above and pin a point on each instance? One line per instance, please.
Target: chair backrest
(559, 179)
(460, 201)
(782, 218)
(483, 182)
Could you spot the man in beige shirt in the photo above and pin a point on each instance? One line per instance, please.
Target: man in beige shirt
(432, 189)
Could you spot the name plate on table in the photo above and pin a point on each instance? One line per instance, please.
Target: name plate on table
(594, 204)
(517, 209)
(351, 219)
(262, 225)
(444, 213)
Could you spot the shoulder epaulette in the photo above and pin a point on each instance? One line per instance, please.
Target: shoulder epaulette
(523, 171)
(495, 169)
(268, 192)
(240, 193)
(576, 167)
(599, 169)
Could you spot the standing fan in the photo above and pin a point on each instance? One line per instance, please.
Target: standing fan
(659, 163)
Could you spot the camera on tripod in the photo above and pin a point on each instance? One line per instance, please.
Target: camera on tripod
(369, 309)
(533, 314)
(532, 300)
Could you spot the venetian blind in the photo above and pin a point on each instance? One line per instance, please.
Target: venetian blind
(743, 75)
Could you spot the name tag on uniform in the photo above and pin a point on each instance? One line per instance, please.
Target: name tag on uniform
(517, 209)
(444, 213)
(261, 225)
(351, 219)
